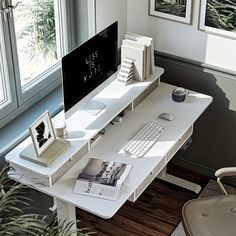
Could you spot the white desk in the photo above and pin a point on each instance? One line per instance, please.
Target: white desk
(116, 136)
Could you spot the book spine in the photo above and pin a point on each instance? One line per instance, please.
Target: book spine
(126, 72)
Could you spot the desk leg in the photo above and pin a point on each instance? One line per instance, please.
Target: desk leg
(178, 181)
(65, 211)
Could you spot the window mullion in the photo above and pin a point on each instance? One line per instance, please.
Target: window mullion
(63, 20)
(8, 90)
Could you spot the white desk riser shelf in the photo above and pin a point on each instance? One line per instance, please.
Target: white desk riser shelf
(109, 147)
(82, 127)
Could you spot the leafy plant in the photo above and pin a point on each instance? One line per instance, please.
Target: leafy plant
(172, 7)
(13, 220)
(221, 14)
(39, 29)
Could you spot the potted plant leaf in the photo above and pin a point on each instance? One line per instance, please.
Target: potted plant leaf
(14, 221)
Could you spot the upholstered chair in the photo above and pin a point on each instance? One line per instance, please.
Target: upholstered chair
(212, 216)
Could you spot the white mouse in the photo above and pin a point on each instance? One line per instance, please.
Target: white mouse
(166, 116)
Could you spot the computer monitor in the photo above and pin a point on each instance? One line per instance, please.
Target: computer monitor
(86, 68)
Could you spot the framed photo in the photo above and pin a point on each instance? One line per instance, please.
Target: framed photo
(177, 10)
(42, 133)
(218, 17)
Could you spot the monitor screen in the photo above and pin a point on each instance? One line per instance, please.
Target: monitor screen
(89, 65)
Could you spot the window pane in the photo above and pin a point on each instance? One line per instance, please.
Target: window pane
(35, 37)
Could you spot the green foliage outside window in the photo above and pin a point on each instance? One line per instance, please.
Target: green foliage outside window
(39, 29)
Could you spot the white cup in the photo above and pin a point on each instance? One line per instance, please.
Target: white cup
(60, 128)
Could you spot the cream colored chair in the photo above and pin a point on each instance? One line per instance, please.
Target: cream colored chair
(212, 216)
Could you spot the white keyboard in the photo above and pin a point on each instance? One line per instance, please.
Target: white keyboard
(144, 139)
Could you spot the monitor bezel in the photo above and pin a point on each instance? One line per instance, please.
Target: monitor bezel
(85, 99)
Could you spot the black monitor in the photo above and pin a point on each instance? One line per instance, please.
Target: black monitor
(86, 68)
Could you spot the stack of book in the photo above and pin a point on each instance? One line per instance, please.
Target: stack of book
(125, 74)
(140, 50)
(102, 179)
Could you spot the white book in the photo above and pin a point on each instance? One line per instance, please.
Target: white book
(125, 75)
(102, 179)
(150, 48)
(137, 55)
(125, 81)
(127, 61)
(127, 66)
(140, 45)
(126, 70)
(52, 152)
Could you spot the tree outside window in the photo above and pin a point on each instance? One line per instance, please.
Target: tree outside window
(36, 37)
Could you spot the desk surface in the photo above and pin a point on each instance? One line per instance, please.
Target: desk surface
(82, 126)
(116, 136)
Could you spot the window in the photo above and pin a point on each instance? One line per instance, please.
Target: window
(35, 32)
(32, 41)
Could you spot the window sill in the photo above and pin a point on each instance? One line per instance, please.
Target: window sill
(17, 130)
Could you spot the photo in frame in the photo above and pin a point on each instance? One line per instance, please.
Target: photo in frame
(42, 133)
(176, 10)
(218, 17)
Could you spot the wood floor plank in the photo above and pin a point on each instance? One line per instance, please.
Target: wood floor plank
(153, 221)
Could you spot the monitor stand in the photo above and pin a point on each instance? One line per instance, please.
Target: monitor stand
(93, 107)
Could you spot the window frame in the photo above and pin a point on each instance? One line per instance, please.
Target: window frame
(23, 98)
(10, 103)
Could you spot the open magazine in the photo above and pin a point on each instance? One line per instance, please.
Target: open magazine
(102, 179)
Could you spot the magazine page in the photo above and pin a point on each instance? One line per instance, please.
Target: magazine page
(102, 179)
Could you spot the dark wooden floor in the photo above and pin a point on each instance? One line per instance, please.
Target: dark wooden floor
(157, 212)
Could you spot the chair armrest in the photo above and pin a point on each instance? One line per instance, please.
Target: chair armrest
(227, 171)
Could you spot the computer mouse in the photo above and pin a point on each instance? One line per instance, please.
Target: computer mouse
(166, 116)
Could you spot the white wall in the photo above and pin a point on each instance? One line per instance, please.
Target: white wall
(181, 39)
(81, 21)
(109, 11)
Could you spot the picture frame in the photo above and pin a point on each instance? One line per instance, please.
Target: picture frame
(42, 133)
(176, 10)
(219, 24)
